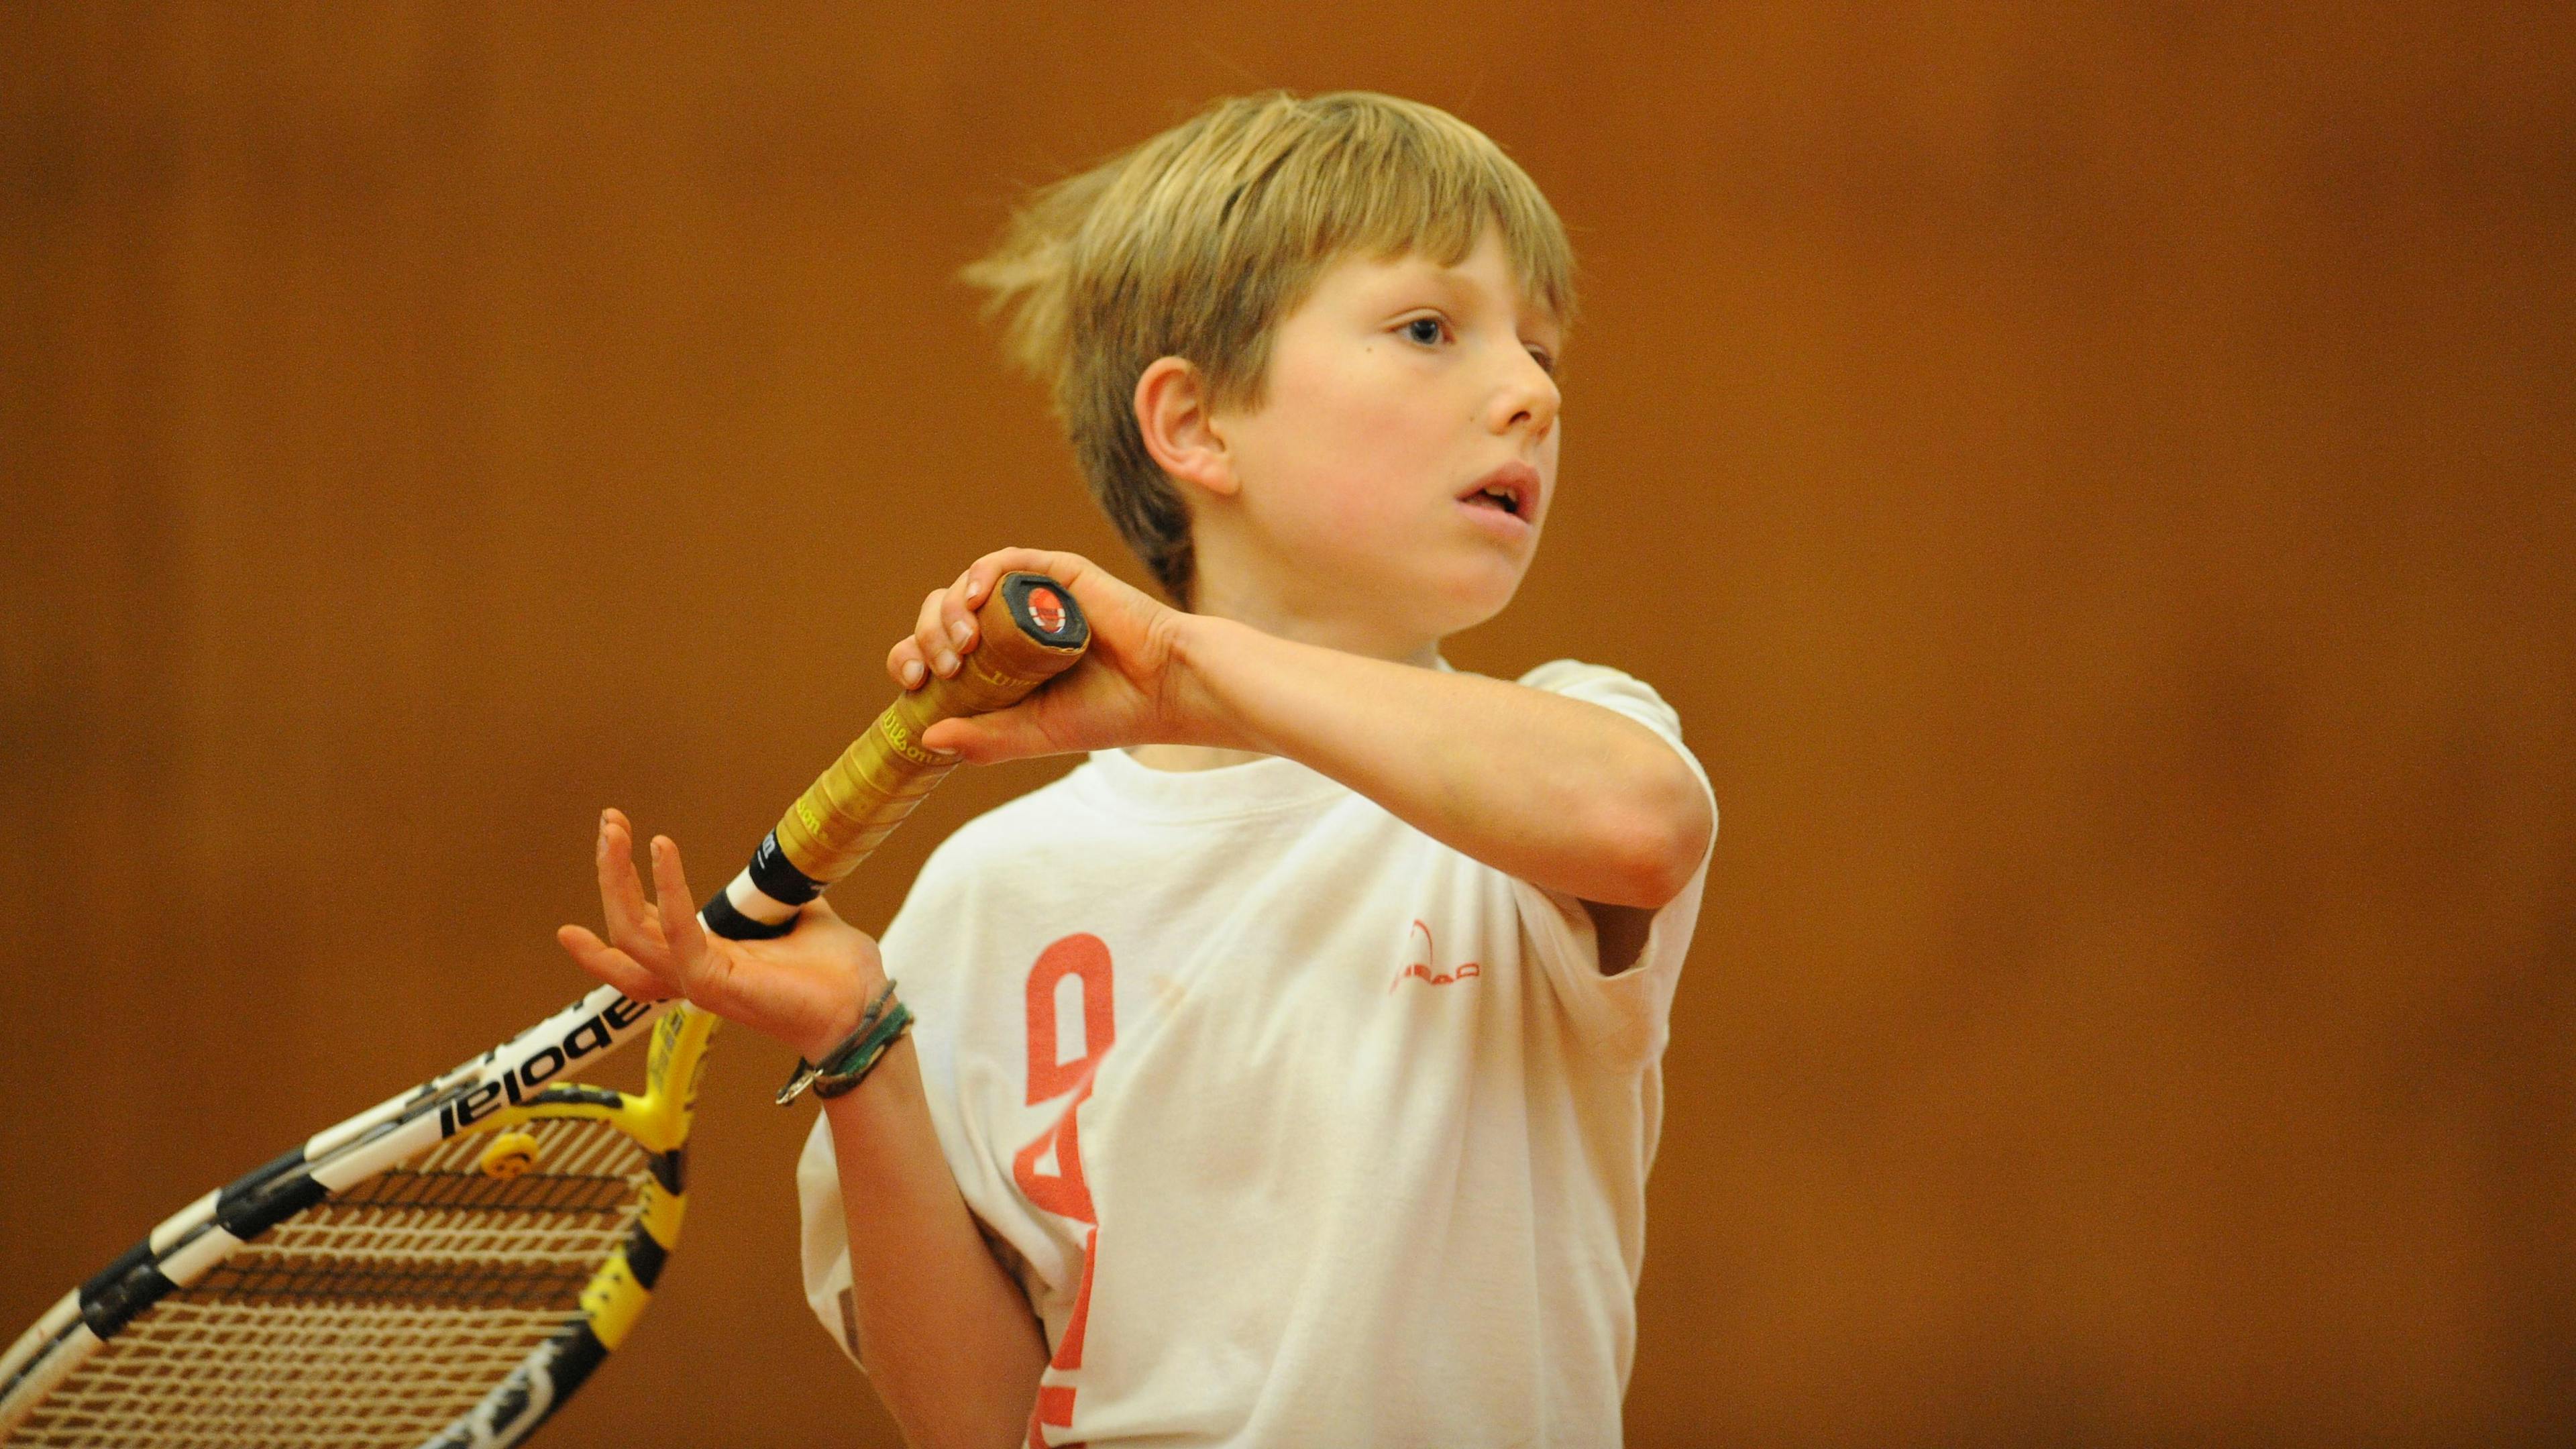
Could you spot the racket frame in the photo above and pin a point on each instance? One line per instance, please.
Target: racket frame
(1032, 628)
(510, 1085)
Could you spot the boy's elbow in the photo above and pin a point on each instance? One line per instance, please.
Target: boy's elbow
(1661, 839)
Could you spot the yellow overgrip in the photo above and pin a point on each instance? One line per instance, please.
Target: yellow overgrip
(843, 816)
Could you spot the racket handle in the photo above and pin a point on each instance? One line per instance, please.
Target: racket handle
(1032, 631)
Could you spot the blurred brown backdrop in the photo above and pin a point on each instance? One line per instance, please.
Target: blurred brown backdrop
(2117, 461)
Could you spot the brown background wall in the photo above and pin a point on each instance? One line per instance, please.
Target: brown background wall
(2117, 461)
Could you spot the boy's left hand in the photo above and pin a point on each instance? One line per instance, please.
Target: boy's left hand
(1128, 690)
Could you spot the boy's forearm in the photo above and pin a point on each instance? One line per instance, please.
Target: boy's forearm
(947, 1337)
(1560, 793)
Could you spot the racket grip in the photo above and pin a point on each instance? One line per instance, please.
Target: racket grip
(1031, 630)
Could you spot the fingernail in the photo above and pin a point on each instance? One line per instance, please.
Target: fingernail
(947, 664)
(911, 673)
(961, 631)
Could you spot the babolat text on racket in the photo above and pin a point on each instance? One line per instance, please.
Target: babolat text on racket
(444, 1270)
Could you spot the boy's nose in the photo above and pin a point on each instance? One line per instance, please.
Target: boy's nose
(1527, 399)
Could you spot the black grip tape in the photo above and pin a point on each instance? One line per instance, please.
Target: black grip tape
(733, 925)
(777, 876)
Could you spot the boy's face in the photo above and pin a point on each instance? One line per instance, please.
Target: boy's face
(1396, 394)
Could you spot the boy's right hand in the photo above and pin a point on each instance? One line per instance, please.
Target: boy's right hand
(1133, 686)
(806, 988)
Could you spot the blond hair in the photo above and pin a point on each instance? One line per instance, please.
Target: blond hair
(1193, 244)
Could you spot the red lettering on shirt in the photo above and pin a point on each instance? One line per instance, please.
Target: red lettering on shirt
(1422, 970)
(1068, 1354)
(1063, 1191)
(1086, 957)
(1054, 1406)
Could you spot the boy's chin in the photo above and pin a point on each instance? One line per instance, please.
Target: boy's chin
(1472, 595)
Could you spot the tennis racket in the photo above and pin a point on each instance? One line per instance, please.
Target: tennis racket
(443, 1270)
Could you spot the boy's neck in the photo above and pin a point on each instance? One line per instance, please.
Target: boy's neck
(1277, 613)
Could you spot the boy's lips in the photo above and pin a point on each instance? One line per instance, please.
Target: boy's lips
(1518, 490)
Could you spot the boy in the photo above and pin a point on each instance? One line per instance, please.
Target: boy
(1286, 1074)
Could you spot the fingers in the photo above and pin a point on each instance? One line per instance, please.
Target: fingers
(1064, 568)
(943, 631)
(692, 962)
(957, 617)
(621, 895)
(903, 662)
(931, 635)
(654, 950)
(1017, 733)
(612, 965)
(944, 628)
(1121, 614)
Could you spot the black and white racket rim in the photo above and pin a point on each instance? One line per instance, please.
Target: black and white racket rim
(443, 1270)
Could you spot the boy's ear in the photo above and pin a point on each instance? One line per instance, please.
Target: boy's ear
(1180, 430)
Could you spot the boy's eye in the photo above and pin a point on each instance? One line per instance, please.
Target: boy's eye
(1545, 359)
(1425, 330)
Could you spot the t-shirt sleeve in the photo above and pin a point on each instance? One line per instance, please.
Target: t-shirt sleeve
(1622, 1014)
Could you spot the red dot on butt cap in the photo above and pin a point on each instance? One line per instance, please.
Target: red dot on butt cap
(1046, 609)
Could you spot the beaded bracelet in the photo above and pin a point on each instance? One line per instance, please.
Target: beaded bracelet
(846, 1065)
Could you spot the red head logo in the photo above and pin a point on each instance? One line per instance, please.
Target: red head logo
(1047, 610)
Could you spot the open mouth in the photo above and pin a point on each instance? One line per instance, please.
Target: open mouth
(1511, 489)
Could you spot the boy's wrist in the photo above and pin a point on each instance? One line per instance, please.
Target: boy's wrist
(843, 1019)
(1203, 647)
(839, 1069)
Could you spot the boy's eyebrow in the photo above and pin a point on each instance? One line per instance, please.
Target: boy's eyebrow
(1452, 278)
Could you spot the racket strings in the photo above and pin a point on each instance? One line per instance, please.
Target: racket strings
(212, 1375)
(381, 1315)
(441, 1227)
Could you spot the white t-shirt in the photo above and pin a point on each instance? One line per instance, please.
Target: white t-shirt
(1298, 1127)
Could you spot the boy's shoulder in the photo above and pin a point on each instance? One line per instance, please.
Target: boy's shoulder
(1610, 688)
(1575, 676)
